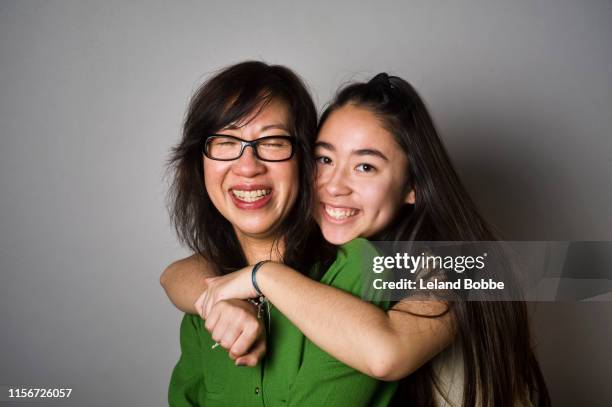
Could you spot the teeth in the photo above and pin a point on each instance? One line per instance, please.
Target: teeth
(250, 196)
(339, 213)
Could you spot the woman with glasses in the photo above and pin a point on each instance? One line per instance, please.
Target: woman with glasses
(241, 194)
(228, 148)
(383, 173)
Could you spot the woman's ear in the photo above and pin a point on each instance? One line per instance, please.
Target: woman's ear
(410, 197)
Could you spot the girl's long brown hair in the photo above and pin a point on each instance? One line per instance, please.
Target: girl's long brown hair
(499, 365)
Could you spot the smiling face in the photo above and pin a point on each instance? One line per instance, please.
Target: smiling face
(254, 196)
(361, 175)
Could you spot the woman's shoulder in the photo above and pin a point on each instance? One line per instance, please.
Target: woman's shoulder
(353, 260)
(358, 248)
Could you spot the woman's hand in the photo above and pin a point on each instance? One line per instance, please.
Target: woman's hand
(234, 325)
(231, 321)
(236, 285)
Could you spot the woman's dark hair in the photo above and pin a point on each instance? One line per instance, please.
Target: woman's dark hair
(499, 365)
(231, 96)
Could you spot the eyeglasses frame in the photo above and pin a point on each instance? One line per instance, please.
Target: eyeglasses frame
(253, 144)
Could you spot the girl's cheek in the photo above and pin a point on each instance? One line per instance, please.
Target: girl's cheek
(376, 193)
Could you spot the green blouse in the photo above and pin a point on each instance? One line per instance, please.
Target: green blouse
(294, 372)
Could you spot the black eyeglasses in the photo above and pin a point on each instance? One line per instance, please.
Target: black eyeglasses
(227, 148)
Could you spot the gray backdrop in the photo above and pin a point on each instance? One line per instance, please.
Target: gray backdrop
(92, 98)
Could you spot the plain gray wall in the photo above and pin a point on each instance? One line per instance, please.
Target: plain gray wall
(92, 98)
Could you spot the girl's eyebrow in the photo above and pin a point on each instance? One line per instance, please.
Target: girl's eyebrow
(359, 152)
(325, 145)
(370, 151)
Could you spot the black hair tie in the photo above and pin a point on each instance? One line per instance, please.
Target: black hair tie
(381, 79)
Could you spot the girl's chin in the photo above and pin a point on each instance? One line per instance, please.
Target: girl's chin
(337, 237)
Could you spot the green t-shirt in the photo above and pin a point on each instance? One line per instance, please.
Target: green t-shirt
(294, 372)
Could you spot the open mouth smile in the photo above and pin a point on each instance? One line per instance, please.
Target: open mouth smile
(250, 196)
(339, 214)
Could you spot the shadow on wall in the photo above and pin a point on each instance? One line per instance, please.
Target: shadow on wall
(573, 343)
(533, 177)
(532, 181)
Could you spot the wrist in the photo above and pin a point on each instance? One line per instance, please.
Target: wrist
(267, 277)
(254, 271)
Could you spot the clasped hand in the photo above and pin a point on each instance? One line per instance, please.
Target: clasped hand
(231, 320)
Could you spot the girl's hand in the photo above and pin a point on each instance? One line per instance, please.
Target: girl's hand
(234, 325)
(236, 285)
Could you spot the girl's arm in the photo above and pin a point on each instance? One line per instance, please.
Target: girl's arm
(184, 280)
(385, 345)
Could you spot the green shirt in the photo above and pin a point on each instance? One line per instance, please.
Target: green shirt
(294, 372)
